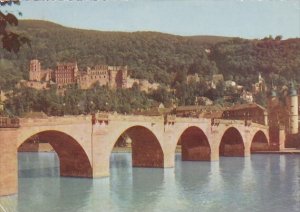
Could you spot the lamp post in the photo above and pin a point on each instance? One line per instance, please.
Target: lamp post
(78, 109)
(63, 109)
(106, 106)
(92, 107)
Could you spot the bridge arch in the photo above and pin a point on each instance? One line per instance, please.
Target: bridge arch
(146, 148)
(194, 145)
(232, 143)
(259, 142)
(73, 159)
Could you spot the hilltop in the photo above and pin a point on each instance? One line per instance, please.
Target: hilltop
(152, 55)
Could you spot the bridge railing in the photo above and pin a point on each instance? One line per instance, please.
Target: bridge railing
(54, 120)
(7, 122)
(106, 117)
(248, 122)
(191, 120)
(216, 122)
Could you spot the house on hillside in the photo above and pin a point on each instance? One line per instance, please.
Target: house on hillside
(197, 111)
(202, 100)
(250, 111)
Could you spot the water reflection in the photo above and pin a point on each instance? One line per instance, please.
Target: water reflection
(146, 187)
(277, 174)
(193, 179)
(256, 183)
(33, 167)
(48, 191)
(138, 188)
(9, 203)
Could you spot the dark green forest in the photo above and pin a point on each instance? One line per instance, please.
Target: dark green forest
(155, 56)
(76, 101)
(152, 55)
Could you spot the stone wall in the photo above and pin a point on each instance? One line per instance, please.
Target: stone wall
(8, 162)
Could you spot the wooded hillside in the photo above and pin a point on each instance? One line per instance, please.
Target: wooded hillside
(153, 55)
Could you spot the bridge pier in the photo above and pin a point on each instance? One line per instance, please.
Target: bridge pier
(100, 155)
(8, 162)
(214, 155)
(247, 151)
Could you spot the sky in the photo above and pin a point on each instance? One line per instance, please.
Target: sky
(237, 18)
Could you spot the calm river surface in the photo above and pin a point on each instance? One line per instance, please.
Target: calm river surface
(256, 183)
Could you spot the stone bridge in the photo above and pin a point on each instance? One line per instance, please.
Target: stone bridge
(84, 143)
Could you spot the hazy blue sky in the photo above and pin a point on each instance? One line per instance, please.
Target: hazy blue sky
(243, 18)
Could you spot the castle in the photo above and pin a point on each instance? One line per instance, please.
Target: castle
(112, 76)
(68, 73)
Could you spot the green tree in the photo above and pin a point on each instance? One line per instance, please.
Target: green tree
(162, 95)
(11, 41)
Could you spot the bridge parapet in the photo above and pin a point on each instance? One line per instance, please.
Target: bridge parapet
(7, 122)
(106, 117)
(246, 123)
(54, 120)
(192, 120)
(227, 122)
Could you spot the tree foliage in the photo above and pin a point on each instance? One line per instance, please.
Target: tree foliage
(149, 55)
(11, 41)
(243, 59)
(157, 57)
(76, 101)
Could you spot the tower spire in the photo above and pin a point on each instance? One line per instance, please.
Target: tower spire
(292, 100)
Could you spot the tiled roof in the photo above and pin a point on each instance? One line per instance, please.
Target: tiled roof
(245, 106)
(199, 108)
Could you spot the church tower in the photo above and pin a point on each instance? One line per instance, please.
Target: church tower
(292, 108)
(273, 105)
(35, 70)
(273, 98)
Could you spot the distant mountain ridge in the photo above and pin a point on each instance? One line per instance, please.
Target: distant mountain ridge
(152, 55)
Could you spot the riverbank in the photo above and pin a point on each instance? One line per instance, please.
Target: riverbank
(178, 150)
(281, 152)
(129, 150)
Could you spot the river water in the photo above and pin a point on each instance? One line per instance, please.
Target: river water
(256, 183)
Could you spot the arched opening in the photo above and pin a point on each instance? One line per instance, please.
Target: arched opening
(259, 142)
(73, 160)
(232, 144)
(194, 145)
(145, 148)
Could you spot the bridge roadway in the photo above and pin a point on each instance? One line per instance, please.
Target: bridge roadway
(84, 143)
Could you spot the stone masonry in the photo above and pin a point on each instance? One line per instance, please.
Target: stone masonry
(84, 143)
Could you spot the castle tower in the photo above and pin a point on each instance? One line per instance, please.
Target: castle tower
(124, 77)
(261, 83)
(273, 98)
(76, 71)
(112, 76)
(35, 70)
(292, 107)
(273, 104)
